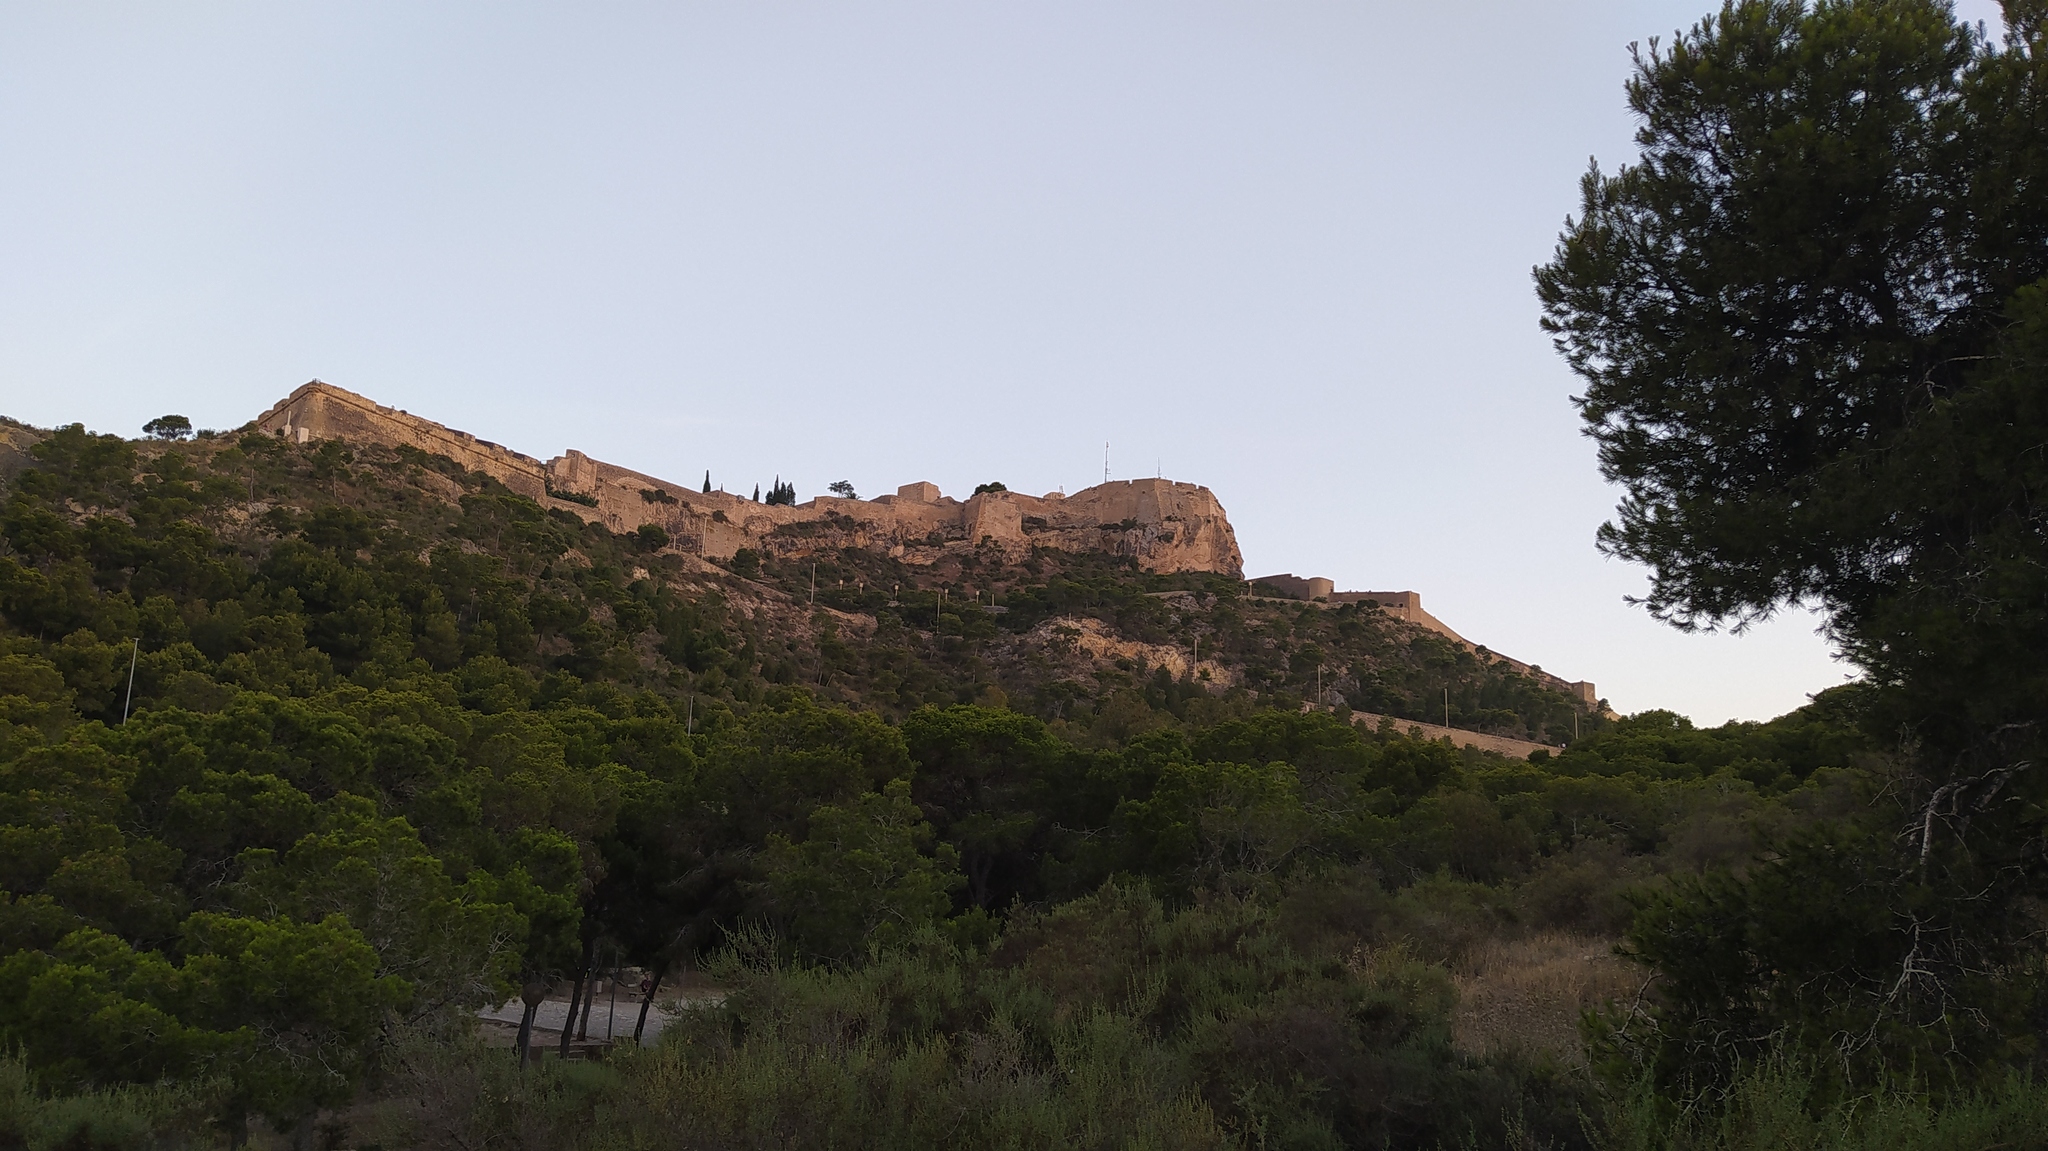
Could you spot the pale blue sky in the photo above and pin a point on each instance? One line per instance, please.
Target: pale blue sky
(1281, 249)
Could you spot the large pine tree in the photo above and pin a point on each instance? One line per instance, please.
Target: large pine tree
(1813, 328)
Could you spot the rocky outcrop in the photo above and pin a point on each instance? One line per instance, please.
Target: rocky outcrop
(1163, 525)
(16, 440)
(1081, 646)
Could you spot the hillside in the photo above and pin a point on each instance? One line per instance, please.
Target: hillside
(312, 749)
(1088, 640)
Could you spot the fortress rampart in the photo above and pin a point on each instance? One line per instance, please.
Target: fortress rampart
(325, 412)
(1164, 525)
(1407, 605)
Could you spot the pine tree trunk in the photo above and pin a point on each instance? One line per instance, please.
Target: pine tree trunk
(653, 985)
(576, 997)
(526, 1034)
(589, 997)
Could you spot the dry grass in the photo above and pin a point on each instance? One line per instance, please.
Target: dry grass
(1525, 995)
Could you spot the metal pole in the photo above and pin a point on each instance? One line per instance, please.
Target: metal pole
(133, 656)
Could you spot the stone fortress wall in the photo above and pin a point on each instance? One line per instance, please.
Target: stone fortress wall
(1407, 605)
(1165, 526)
(320, 411)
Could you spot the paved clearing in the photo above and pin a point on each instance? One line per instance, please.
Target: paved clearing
(624, 1014)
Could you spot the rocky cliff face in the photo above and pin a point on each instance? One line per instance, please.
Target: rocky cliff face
(1165, 526)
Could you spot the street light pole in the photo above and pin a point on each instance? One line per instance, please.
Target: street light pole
(134, 655)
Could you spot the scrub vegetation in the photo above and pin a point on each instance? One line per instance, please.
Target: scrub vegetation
(400, 742)
(308, 752)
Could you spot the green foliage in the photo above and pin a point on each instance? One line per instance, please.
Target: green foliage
(168, 428)
(780, 494)
(991, 486)
(585, 498)
(1855, 282)
(1777, 1105)
(860, 879)
(1813, 327)
(287, 1012)
(1111, 1021)
(1799, 952)
(117, 1119)
(985, 778)
(393, 756)
(842, 488)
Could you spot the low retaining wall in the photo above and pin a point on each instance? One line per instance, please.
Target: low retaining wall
(1513, 748)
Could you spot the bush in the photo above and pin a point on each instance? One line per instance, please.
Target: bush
(124, 1118)
(1774, 1106)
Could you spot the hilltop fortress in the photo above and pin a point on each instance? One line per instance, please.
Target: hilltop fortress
(1163, 525)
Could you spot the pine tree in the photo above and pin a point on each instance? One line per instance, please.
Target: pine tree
(707, 481)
